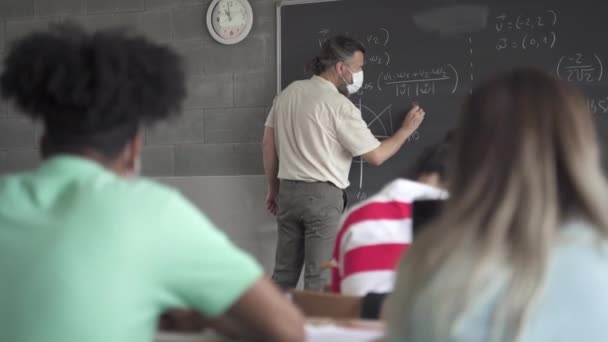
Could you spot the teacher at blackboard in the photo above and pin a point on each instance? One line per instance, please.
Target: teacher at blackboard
(311, 135)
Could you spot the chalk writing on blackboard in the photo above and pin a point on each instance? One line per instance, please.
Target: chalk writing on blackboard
(528, 41)
(598, 106)
(421, 81)
(471, 68)
(380, 122)
(526, 31)
(383, 58)
(506, 22)
(367, 86)
(382, 37)
(375, 41)
(580, 68)
(361, 195)
(377, 50)
(360, 162)
(323, 36)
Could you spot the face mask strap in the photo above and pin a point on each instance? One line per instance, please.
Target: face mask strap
(351, 73)
(349, 85)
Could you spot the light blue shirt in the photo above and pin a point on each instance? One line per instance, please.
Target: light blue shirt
(573, 304)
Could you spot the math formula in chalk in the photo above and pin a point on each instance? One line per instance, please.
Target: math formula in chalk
(525, 32)
(580, 68)
(542, 20)
(598, 105)
(376, 42)
(420, 82)
(527, 42)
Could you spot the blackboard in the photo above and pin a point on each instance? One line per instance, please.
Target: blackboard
(435, 51)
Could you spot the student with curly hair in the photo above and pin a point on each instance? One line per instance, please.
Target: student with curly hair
(87, 253)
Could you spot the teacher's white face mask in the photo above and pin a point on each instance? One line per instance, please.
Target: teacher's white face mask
(357, 81)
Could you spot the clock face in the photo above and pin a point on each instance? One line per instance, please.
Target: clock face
(230, 19)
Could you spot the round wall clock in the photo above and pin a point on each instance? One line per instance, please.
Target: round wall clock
(229, 21)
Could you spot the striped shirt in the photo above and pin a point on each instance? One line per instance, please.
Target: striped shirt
(373, 235)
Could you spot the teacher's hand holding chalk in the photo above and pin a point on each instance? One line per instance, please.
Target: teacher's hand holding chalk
(413, 119)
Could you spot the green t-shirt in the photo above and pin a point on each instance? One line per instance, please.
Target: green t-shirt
(88, 256)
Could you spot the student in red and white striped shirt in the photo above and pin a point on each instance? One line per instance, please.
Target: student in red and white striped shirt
(374, 234)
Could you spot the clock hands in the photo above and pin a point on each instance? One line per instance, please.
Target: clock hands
(228, 14)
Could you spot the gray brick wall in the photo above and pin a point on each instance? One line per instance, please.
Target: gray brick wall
(230, 88)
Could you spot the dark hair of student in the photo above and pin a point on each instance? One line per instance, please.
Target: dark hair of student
(91, 90)
(434, 159)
